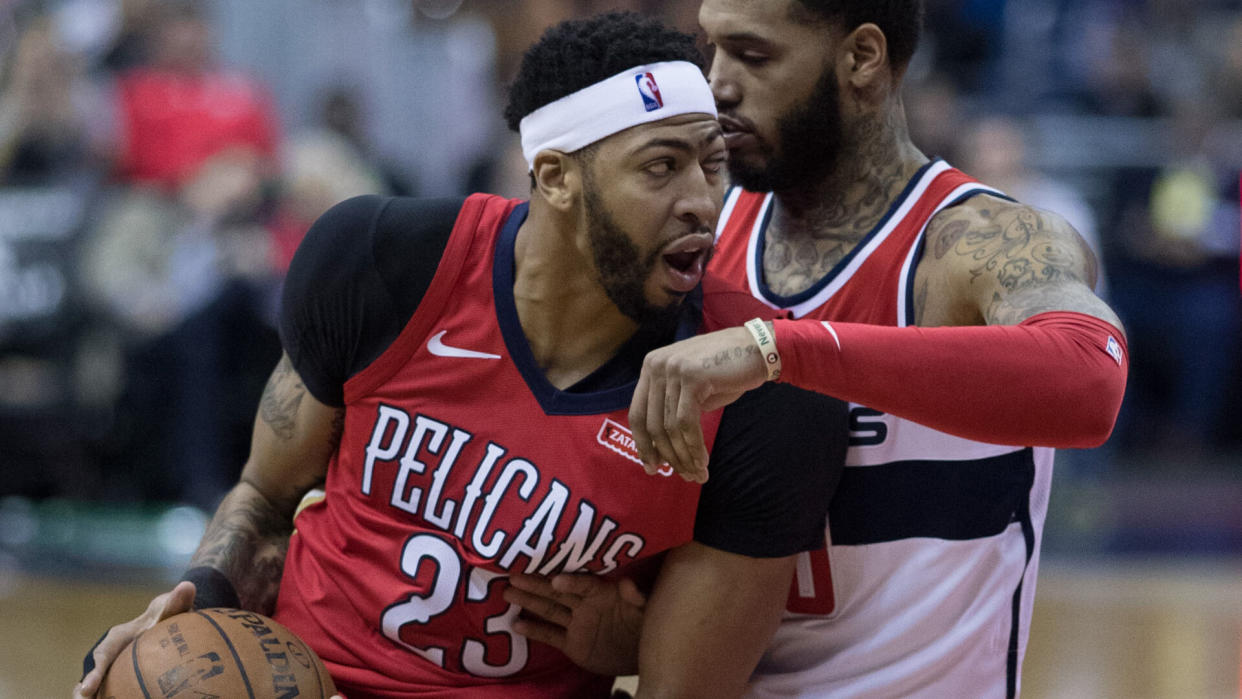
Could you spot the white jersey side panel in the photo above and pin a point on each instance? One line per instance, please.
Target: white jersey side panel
(919, 616)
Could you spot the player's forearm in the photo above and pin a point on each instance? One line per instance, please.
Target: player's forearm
(1056, 379)
(247, 540)
(708, 621)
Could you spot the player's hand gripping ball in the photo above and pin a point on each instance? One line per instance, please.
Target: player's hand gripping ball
(217, 652)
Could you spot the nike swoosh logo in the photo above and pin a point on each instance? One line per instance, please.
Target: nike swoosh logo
(438, 348)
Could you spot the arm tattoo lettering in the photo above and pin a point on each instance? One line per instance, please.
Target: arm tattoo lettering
(281, 397)
(727, 356)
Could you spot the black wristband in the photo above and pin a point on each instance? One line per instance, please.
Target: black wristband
(88, 663)
(211, 588)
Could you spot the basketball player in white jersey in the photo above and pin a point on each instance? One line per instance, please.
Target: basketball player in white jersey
(959, 323)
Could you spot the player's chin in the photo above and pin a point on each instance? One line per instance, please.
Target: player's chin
(663, 306)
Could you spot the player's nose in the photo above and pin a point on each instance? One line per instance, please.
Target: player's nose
(724, 88)
(700, 200)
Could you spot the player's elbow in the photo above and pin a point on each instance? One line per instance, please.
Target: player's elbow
(1096, 411)
(1093, 432)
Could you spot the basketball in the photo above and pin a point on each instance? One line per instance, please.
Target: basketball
(217, 652)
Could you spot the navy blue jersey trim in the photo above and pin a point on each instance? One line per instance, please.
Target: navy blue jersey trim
(918, 255)
(1015, 629)
(787, 301)
(618, 392)
(953, 500)
(914, 266)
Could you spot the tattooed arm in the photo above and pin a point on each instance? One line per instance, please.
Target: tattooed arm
(996, 262)
(1049, 368)
(294, 437)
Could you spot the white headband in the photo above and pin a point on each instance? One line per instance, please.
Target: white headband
(636, 96)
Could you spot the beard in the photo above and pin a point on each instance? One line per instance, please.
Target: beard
(622, 267)
(810, 138)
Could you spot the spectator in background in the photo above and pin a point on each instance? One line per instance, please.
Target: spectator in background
(182, 108)
(190, 281)
(49, 179)
(42, 123)
(1175, 285)
(323, 165)
(342, 114)
(1118, 78)
(966, 37)
(130, 46)
(181, 260)
(1227, 69)
(935, 114)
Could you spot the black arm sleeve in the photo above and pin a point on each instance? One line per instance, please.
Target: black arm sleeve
(774, 467)
(355, 280)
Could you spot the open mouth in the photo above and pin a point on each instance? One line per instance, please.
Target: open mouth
(685, 259)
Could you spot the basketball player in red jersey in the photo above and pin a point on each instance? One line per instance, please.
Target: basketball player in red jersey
(960, 324)
(457, 376)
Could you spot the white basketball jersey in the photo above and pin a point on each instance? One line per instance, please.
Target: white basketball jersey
(926, 586)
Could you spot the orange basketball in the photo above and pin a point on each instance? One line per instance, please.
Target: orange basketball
(217, 652)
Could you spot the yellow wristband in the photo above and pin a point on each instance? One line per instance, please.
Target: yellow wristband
(766, 341)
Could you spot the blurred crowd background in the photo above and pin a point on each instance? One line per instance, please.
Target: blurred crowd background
(160, 161)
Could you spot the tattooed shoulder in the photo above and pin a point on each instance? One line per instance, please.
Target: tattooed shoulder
(1013, 246)
(1011, 261)
(281, 397)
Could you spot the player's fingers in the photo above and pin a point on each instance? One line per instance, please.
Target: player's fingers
(179, 601)
(630, 593)
(676, 427)
(537, 584)
(658, 433)
(638, 421)
(690, 428)
(542, 632)
(543, 607)
(543, 586)
(577, 584)
(88, 686)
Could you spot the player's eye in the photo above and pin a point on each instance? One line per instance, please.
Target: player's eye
(753, 58)
(660, 168)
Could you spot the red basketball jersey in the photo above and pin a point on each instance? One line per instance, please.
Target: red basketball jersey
(459, 464)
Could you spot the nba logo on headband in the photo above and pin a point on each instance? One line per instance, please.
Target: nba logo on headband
(597, 111)
(650, 91)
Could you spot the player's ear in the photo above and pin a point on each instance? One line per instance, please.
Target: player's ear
(864, 57)
(556, 178)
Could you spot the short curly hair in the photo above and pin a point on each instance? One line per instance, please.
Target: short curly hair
(900, 20)
(578, 53)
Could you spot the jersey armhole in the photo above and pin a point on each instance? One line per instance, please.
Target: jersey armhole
(451, 264)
